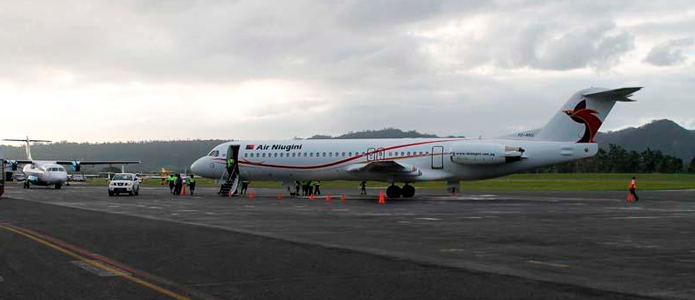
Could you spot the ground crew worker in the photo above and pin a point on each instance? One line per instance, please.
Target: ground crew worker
(191, 184)
(230, 166)
(305, 187)
(178, 185)
(312, 186)
(172, 183)
(633, 187)
(363, 188)
(297, 186)
(317, 188)
(244, 186)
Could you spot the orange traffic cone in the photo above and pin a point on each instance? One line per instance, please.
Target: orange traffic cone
(342, 198)
(311, 196)
(382, 199)
(252, 195)
(328, 198)
(630, 198)
(279, 196)
(183, 190)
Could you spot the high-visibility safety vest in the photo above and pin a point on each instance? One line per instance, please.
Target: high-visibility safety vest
(171, 178)
(191, 180)
(230, 162)
(632, 185)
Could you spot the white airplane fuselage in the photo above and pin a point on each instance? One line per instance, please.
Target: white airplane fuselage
(430, 159)
(45, 173)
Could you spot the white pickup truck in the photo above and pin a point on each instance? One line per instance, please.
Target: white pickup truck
(124, 183)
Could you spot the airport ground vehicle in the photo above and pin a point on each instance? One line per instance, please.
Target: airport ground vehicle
(19, 176)
(124, 183)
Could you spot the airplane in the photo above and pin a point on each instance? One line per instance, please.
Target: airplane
(50, 172)
(568, 136)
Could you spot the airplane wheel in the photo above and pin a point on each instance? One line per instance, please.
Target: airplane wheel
(58, 186)
(408, 191)
(393, 191)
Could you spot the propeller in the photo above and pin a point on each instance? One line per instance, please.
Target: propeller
(13, 164)
(76, 167)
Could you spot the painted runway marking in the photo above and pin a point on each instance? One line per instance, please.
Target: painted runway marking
(536, 262)
(103, 263)
(2, 279)
(452, 250)
(94, 270)
(428, 219)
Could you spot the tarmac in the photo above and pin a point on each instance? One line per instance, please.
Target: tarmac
(79, 243)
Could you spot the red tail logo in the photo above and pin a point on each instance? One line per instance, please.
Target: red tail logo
(588, 117)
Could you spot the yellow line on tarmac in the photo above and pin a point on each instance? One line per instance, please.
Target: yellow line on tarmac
(98, 264)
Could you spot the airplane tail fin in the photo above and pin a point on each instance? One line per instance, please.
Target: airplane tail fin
(581, 117)
(28, 145)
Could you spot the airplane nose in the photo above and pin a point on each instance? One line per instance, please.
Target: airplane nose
(198, 167)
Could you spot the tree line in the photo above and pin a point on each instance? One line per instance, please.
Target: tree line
(619, 160)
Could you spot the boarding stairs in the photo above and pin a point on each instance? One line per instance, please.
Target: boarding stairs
(229, 183)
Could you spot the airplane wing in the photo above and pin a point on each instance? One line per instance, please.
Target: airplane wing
(97, 162)
(19, 161)
(385, 167)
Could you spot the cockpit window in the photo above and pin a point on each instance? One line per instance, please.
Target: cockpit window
(214, 153)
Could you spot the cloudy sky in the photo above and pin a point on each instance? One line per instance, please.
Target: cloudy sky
(138, 70)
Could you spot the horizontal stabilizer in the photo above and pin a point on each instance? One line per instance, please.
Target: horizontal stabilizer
(621, 94)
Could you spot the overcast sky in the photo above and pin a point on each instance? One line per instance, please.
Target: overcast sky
(138, 70)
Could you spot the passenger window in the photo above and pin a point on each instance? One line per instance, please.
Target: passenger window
(304, 154)
(349, 153)
(246, 154)
(324, 154)
(408, 154)
(293, 154)
(330, 154)
(311, 154)
(343, 154)
(318, 154)
(263, 154)
(275, 154)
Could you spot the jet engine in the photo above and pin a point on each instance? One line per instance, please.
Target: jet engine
(485, 154)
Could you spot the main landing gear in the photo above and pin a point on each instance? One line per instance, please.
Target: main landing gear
(394, 191)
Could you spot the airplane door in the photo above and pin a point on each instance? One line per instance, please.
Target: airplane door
(371, 155)
(437, 157)
(233, 153)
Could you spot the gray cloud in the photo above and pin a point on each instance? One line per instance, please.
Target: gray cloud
(377, 63)
(669, 53)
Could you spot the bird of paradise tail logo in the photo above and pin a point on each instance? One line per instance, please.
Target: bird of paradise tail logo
(588, 117)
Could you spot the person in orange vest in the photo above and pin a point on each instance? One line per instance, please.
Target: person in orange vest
(633, 188)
